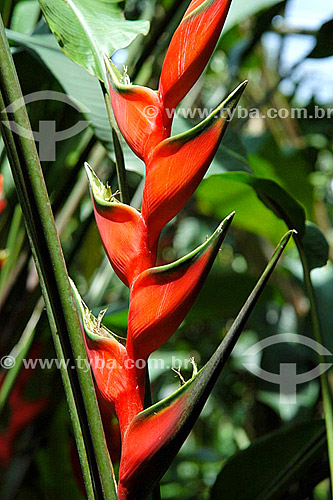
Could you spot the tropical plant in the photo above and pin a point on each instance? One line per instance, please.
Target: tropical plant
(105, 374)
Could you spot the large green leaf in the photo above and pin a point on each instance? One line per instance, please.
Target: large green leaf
(265, 469)
(289, 167)
(83, 88)
(260, 204)
(87, 29)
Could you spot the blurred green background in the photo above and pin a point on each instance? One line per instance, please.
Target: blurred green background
(246, 441)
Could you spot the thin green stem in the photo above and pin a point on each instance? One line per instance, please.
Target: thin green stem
(35, 203)
(120, 163)
(13, 246)
(325, 387)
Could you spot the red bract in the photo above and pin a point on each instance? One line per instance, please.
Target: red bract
(166, 294)
(123, 232)
(178, 164)
(152, 430)
(190, 49)
(139, 113)
(144, 116)
(113, 370)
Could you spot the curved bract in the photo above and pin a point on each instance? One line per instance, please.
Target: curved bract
(112, 369)
(162, 296)
(138, 111)
(190, 49)
(123, 232)
(178, 164)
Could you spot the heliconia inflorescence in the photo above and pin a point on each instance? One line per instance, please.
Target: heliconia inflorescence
(160, 296)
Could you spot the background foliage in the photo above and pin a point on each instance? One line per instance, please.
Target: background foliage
(246, 444)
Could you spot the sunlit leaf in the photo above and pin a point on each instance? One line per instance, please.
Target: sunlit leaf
(86, 30)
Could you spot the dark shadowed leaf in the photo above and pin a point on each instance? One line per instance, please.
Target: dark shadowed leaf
(265, 469)
(315, 246)
(324, 45)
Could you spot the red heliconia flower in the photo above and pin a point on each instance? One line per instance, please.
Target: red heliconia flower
(160, 296)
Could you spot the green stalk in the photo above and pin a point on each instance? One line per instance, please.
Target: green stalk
(325, 387)
(13, 246)
(53, 276)
(120, 163)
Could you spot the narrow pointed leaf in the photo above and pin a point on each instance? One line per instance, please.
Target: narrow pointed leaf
(108, 359)
(162, 296)
(155, 435)
(86, 30)
(178, 164)
(190, 48)
(138, 112)
(122, 230)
